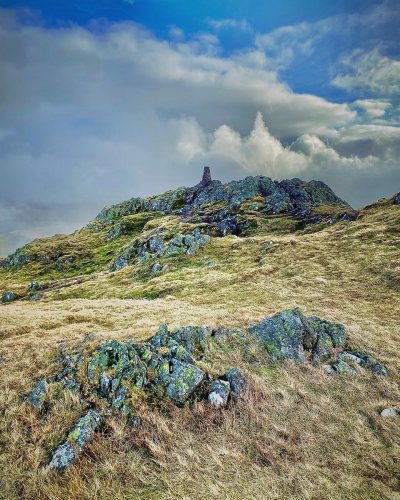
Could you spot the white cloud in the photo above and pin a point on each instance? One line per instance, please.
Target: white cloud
(370, 71)
(373, 108)
(330, 37)
(259, 152)
(228, 23)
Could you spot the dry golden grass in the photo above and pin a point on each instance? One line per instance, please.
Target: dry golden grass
(301, 434)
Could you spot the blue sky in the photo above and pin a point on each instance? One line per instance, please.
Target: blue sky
(104, 100)
(160, 16)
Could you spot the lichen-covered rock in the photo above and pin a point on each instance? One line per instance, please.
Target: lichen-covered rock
(84, 429)
(8, 297)
(38, 394)
(323, 349)
(341, 367)
(291, 335)
(223, 334)
(329, 337)
(193, 338)
(365, 360)
(282, 335)
(335, 331)
(237, 382)
(183, 380)
(111, 364)
(62, 458)
(219, 393)
(77, 439)
(156, 244)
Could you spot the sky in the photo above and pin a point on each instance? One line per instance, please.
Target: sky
(103, 100)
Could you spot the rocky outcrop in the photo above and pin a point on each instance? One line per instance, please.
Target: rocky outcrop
(363, 359)
(291, 335)
(160, 243)
(109, 376)
(293, 197)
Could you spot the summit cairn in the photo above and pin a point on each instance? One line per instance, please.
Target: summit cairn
(206, 180)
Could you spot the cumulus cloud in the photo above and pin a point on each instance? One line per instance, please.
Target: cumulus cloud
(258, 152)
(91, 117)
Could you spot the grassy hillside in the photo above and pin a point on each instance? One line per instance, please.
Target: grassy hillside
(301, 433)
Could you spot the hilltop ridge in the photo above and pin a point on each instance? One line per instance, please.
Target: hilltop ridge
(217, 209)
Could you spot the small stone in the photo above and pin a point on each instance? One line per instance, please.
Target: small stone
(390, 412)
(219, 393)
(266, 246)
(343, 368)
(134, 421)
(35, 286)
(328, 369)
(35, 296)
(348, 356)
(156, 268)
(237, 382)
(8, 297)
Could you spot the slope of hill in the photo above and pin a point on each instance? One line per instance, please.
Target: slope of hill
(216, 255)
